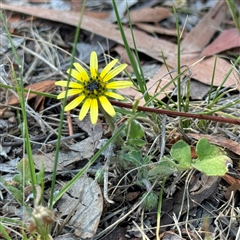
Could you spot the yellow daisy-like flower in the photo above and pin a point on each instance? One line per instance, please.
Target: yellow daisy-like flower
(94, 88)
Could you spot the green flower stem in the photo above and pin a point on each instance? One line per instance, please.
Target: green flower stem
(112, 125)
(108, 119)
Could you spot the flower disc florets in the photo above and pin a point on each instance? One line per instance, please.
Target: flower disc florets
(94, 88)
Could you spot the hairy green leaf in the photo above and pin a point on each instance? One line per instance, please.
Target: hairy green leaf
(181, 152)
(211, 159)
(135, 130)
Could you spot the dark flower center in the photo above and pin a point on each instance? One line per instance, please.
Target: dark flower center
(93, 85)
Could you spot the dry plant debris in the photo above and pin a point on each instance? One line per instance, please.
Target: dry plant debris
(84, 209)
(43, 38)
(152, 46)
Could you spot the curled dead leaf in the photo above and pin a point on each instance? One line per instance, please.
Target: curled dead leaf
(44, 86)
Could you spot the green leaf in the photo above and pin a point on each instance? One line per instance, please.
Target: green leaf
(135, 130)
(163, 169)
(17, 193)
(24, 168)
(150, 200)
(181, 152)
(205, 149)
(18, 178)
(40, 175)
(137, 142)
(212, 166)
(134, 157)
(211, 159)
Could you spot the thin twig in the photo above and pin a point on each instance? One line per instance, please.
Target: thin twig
(179, 114)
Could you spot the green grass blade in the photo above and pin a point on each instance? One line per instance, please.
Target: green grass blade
(179, 95)
(224, 80)
(54, 175)
(213, 75)
(137, 62)
(234, 13)
(159, 210)
(4, 232)
(20, 91)
(135, 66)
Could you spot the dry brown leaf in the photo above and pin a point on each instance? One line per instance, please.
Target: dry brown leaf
(39, 103)
(65, 159)
(78, 152)
(76, 5)
(200, 35)
(156, 29)
(14, 18)
(203, 71)
(121, 51)
(147, 44)
(193, 43)
(201, 188)
(228, 39)
(44, 86)
(234, 185)
(98, 15)
(149, 14)
(156, 85)
(220, 141)
(84, 205)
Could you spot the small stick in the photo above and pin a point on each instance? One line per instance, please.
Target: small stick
(180, 114)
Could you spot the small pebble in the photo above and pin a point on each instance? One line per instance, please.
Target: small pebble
(8, 114)
(12, 120)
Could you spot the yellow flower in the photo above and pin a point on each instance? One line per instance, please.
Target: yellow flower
(94, 88)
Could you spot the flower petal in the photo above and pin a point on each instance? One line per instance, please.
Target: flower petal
(71, 84)
(114, 72)
(85, 107)
(114, 95)
(94, 64)
(94, 111)
(77, 75)
(119, 84)
(108, 68)
(107, 106)
(70, 92)
(81, 70)
(74, 103)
